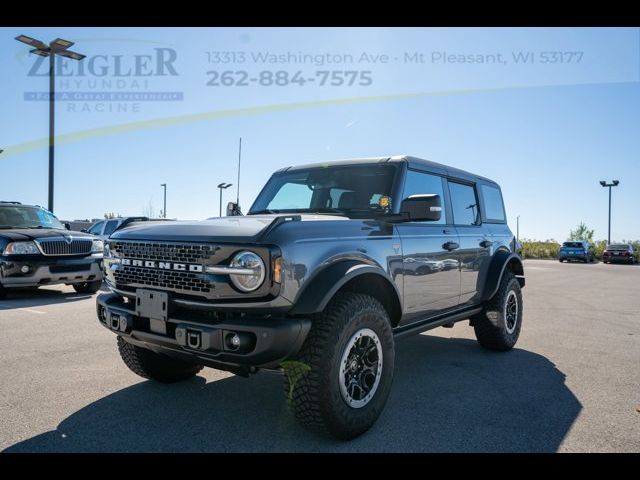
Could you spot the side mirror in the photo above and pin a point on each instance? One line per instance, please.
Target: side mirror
(67, 226)
(233, 210)
(422, 208)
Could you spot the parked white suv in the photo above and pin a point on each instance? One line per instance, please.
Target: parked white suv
(104, 228)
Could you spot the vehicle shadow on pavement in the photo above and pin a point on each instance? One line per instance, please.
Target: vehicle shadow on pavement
(41, 297)
(26, 298)
(448, 395)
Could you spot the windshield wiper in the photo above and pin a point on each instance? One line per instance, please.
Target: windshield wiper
(266, 210)
(37, 226)
(336, 211)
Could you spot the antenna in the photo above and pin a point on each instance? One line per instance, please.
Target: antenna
(238, 184)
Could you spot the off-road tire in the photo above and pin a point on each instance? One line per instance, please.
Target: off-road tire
(155, 366)
(315, 397)
(490, 325)
(3, 292)
(87, 287)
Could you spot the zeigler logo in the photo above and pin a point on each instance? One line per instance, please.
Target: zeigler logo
(180, 267)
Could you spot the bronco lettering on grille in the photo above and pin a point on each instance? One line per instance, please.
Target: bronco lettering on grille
(180, 267)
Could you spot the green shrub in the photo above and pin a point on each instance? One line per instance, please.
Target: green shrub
(537, 249)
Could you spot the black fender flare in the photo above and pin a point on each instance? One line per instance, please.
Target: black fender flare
(321, 288)
(502, 260)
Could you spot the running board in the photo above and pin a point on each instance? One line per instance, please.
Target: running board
(434, 322)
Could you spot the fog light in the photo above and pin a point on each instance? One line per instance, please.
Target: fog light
(233, 341)
(25, 269)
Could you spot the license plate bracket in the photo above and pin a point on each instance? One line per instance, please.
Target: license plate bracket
(153, 305)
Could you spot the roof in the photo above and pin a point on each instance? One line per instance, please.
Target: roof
(414, 162)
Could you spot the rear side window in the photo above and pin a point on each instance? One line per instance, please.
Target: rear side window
(464, 204)
(110, 227)
(493, 206)
(95, 230)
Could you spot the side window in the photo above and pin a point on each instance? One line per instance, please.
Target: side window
(464, 204)
(418, 183)
(96, 229)
(110, 227)
(493, 207)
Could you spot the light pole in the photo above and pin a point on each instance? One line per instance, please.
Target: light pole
(223, 186)
(614, 183)
(164, 211)
(60, 47)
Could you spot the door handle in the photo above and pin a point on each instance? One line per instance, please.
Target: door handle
(446, 231)
(451, 246)
(486, 243)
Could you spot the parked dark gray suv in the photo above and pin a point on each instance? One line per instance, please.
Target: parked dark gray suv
(37, 250)
(333, 262)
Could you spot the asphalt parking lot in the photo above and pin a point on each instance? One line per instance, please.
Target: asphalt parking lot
(572, 384)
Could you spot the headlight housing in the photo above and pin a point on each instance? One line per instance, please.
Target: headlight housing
(21, 248)
(97, 247)
(251, 261)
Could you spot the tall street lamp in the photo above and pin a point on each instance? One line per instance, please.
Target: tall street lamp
(60, 47)
(614, 183)
(164, 211)
(223, 186)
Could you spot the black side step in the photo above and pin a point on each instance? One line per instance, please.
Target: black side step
(434, 322)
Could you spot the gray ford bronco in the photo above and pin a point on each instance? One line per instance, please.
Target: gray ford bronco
(332, 264)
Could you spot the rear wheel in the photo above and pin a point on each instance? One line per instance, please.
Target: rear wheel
(3, 292)
(87, 287)
(346, 367)
(155, 366)
(497, 327)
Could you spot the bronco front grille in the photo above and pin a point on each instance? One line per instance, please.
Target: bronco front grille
(166, 252)
(149, 277)
(180, 281)
(62, 246)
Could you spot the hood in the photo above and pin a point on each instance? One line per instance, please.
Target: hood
(246, 229)
(25, 234)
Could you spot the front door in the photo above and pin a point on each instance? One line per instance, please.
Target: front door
(429, 259)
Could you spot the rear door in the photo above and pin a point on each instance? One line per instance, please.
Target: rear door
(474, 242)
(430, 271)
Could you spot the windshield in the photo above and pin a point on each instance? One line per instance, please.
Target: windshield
(618, 247)
(27, 217)
(573, 245)
(356, 191)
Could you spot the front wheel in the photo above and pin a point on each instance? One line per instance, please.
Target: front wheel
(3, 292)
(88, 287)
(345, 368)
(497, 327)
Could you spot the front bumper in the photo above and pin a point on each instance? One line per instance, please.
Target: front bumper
(49, 272)
(265, 341)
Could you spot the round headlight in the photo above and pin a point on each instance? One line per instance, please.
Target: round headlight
(248, 282)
